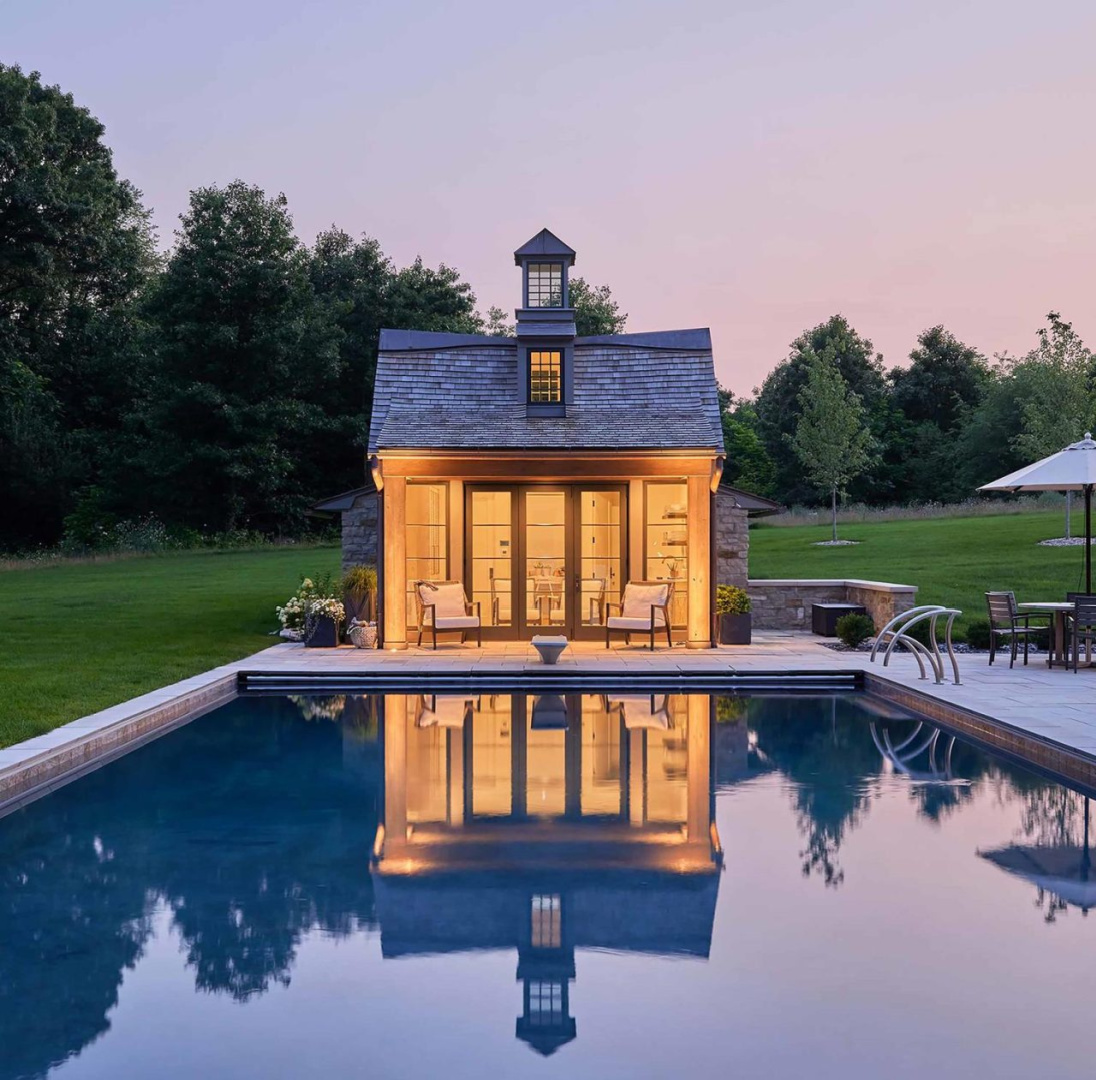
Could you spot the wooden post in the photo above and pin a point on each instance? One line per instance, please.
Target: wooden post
(700, 557)
(395, 562)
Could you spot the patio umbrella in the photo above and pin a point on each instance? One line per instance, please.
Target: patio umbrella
(1071, 469)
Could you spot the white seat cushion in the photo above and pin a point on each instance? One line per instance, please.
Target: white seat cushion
(456, 622)
(638, 600)
(619, 622)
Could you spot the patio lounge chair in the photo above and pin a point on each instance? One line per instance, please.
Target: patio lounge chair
(448, 609)
(1005, 621)
(644, 608)
(1082, 626)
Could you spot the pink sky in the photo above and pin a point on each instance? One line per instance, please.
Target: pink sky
(753, 167)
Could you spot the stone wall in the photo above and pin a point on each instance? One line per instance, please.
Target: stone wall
(785, 604)
(732, 541)
(359, 532)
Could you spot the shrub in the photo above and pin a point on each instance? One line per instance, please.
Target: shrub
(731, 600)
(360, 581)
(853, 629)
(978, 635)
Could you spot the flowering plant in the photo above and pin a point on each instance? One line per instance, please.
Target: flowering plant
(295, 612)
(325, 605)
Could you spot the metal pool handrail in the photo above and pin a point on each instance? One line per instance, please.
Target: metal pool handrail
(898, 629)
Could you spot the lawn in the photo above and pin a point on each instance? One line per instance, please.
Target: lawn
(953, 561)
(79, 637)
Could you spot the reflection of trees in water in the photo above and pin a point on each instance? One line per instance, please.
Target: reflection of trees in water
(825, 748)
(252, 824)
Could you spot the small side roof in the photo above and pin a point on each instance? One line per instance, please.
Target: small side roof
(754, 505)
(545, 243)
(344, 501)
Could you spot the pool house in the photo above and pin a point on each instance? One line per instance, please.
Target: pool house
(545, 471)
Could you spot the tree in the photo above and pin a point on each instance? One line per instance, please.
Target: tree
(76, 250)
(831, 439)
(596, 312)
(419, 298)
(248, 354)
(1058, 404)
(932, 400)
(778, 403)
(748, 465)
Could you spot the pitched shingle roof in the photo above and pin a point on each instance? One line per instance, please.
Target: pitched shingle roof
(631, 392)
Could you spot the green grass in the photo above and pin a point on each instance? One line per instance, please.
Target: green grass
(81, 637)
(953, 561)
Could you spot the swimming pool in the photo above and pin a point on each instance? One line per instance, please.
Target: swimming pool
(519, 884)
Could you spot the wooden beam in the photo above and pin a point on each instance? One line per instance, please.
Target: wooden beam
(700, 559)
(517, 468)
(395, 562)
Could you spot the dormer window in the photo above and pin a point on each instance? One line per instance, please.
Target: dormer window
(544, 285)
(545, 376)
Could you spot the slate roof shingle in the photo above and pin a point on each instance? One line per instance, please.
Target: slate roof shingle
(631, 392)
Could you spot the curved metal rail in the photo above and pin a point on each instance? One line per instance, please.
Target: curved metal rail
(896, 633)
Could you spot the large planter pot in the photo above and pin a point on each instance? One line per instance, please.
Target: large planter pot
(324, 633)
(358, 607)
(735, 629)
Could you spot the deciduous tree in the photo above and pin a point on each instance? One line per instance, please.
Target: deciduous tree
(832, 439)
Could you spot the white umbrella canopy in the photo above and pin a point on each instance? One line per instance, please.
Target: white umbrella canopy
(1071, 469)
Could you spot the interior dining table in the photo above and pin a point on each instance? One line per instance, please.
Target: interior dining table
(1059, 644)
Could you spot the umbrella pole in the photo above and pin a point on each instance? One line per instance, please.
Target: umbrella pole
(1088, 538)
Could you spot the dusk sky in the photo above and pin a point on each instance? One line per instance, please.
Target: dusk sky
(752, 167)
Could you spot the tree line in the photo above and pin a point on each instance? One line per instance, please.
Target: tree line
(221, 387)
(832, 421)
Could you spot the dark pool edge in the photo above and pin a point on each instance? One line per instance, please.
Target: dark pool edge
(50, 761)
(1022, 747)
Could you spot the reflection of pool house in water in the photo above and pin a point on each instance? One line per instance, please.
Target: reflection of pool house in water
(546, 824)
(544, 471)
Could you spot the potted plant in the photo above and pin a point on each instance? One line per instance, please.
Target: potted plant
(732, 612)
(359, 586)
(321, 624)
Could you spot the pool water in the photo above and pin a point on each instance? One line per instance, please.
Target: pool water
(509, 885)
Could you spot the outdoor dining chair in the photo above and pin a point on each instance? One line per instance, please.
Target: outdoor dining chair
(447, 607)
(1082, 625)
(1005, 621)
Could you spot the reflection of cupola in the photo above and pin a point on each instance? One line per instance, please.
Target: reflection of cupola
(545, 310)
(546, 966)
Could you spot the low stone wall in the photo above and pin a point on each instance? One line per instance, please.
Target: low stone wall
(785, 603)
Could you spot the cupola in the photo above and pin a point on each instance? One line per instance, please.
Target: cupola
(545, 310)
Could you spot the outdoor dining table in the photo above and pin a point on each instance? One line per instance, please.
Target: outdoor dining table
(1059, 646)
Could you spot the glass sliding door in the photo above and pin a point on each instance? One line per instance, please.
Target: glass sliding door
(666, 544)
(544, 528)
(427, 539)
(600, 549)
(544, 559)
(490, 547)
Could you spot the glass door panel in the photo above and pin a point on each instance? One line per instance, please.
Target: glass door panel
(491, 549)
(667, 529)
(600, 553)
(545, 521)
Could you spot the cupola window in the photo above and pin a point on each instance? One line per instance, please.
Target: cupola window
(544, 285)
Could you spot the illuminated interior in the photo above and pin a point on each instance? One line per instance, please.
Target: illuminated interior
(666, 549)
(427, 550)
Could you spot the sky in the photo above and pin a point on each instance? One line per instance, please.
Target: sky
(750, 166)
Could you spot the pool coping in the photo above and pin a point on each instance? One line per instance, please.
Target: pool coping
(37, 766)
